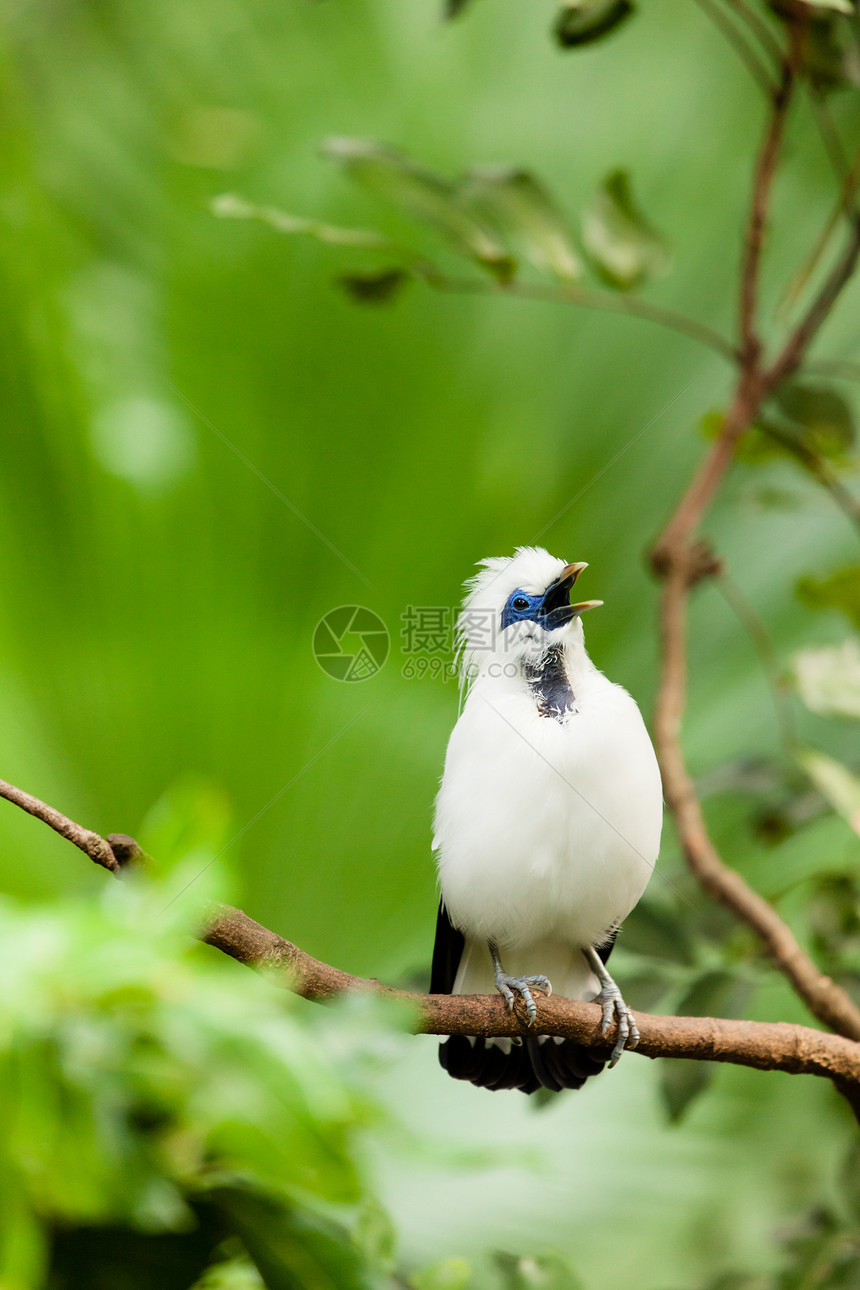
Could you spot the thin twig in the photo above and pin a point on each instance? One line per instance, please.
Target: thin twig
(845, 205)
(606, 301)
(761, 191)
(757, 25)
(820, 470)
(95, 847)
(841, 368)
(737, 40)
(798, 343)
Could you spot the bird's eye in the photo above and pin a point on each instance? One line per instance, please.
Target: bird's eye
(521, 603)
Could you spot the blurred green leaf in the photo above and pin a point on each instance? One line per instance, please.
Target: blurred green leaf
(375, 1236)
(834, 6)
(833, 918)
(644, 989)
(838, 784)
(581, 22)
(830, 55)
(453, 1273)
(237, 1273)
(294, 1249)
(717, 992)
(541, 1272)
(850, 1180)
(229, 206)
(828, 678)
(100, 1258)
(821, 415)
(374, 288)
(657, 932)
(840, 591)
(681, 1082)
(622, 245)
(423, 195)
(755, 446)
(524, 209)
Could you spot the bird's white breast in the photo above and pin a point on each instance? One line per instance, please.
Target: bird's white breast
(547, 828)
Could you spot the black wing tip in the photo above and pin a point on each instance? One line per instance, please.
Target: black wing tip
(536, 1063)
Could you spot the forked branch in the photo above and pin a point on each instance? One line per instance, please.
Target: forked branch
(682, 561)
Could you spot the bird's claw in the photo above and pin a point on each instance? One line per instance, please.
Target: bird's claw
(523, 986)
(615, 1009)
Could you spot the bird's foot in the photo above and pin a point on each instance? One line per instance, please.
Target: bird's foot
(616, 1010)
(509, 986)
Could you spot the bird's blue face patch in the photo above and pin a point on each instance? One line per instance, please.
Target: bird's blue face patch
(550, 608)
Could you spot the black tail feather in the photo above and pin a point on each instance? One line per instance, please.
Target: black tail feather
(538, 1062)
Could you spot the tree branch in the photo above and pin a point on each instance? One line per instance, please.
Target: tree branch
(797, 1050)
(682, 562)
(763, 1045)
(95, 847)
(737, 40)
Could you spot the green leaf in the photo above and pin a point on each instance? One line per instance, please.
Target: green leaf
(831, 6)
(657, 932)
(643, 990)
(376, 1237)
(425, 196)
(542, 1272)
(837, 783)
(293, 1248)
(625, 249)
(681, 1082)
(523, 208)
(453, 8)
(453, 1273)
(850, 1180)
(715, 993)
(830, 55)
(120, 1256)
(828, 678)
(821, 416)
(229, 206)
(840, 591)
(374, 288)
(755, 446)
(582, 22)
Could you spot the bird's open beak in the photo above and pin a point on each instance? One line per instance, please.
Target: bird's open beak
(556, 607)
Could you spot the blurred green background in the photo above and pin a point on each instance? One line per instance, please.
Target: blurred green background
(194, 415)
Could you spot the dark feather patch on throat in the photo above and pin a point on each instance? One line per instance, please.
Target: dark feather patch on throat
(549, 684)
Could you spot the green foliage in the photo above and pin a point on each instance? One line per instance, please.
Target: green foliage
(841, 590)
(194, 427)
(622, 245)
(425, 196)
(520, 205)
(154, 1107)
(581, 22)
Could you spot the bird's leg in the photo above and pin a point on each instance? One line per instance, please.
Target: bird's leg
(522, 985)
(614, 1007)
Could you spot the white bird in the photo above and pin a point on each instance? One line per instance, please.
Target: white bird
(547, 823)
